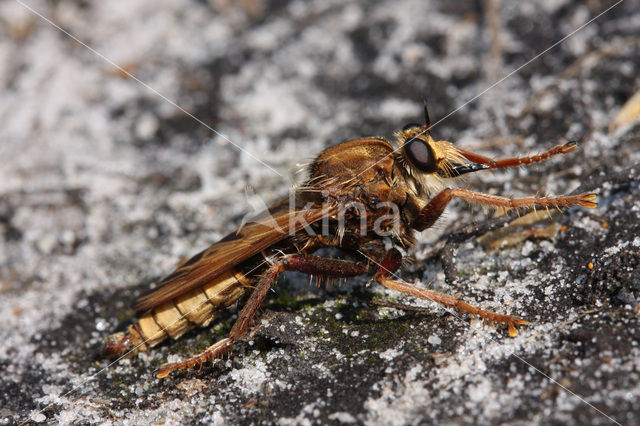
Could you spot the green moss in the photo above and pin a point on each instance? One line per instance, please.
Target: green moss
(125, 316)
(290, 302)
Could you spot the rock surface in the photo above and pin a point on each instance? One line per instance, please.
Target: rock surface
(105, 184)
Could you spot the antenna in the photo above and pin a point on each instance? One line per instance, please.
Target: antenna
(427, 120)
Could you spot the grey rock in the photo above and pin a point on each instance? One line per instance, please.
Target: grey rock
(104, 185)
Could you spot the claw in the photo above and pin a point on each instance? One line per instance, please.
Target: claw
(588, 201)
(513, 331)
(166, 369)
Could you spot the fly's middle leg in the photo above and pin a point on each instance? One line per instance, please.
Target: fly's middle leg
(434, 209)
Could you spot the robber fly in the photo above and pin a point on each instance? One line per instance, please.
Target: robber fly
(362, 196)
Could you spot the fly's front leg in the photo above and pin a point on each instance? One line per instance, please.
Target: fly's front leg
(295, 262)
(434, 209)
(391, 263)
(519, 161)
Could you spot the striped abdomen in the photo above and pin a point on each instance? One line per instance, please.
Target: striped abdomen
(174, 318)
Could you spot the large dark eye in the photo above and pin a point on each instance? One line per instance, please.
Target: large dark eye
(419, 153)
(411, 126)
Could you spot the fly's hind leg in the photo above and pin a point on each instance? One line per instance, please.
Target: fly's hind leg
(391, 263)
(224, 346)
(296, 262)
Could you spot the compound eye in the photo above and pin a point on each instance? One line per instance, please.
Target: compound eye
(411, 126)
(419, 153)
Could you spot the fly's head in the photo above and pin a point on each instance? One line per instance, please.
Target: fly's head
(427, 163)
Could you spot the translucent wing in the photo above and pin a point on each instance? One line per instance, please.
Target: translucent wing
(273, 226)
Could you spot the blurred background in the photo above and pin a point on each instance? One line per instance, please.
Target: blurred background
(132, 131)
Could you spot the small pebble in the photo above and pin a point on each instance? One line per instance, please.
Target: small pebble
(38, 417)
